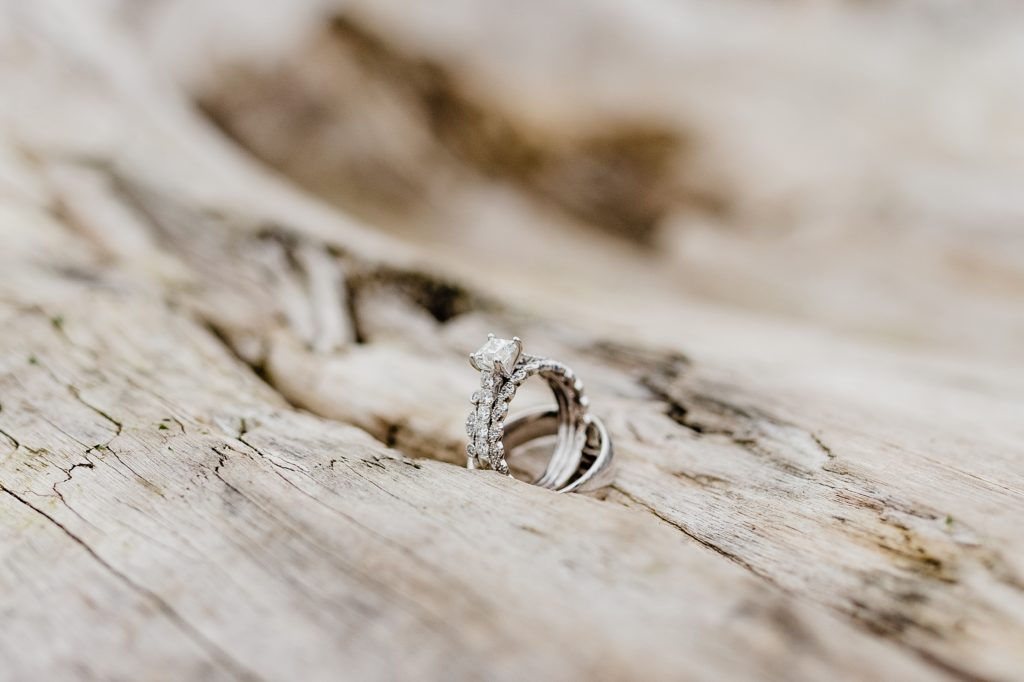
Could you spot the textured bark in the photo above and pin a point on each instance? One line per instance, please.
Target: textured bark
(231, 428)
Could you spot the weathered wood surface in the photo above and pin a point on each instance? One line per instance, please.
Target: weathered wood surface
(230, 430)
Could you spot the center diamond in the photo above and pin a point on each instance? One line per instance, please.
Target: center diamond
(498, 355)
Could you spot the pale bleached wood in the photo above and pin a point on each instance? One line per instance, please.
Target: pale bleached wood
(183, 523)
(789, 504)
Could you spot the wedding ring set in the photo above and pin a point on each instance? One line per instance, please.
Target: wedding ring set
(582, 455)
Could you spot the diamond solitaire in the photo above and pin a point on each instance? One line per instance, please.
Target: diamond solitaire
(498, 355)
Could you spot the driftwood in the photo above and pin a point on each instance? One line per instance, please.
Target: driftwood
(231, 438)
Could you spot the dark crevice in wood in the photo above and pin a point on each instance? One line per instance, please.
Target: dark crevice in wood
(77, 394)
(15, 443)
(351, 284)
(258, 369)
(443, 299)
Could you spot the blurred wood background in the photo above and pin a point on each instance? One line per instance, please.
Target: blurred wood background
(247, 247)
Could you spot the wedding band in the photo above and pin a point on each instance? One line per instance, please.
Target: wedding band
(583, 449)
(594, 470)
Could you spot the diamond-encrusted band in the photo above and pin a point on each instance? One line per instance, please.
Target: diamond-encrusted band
(503, 369)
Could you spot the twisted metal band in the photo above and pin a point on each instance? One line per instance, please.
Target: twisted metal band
(592, 472)
(504, 368)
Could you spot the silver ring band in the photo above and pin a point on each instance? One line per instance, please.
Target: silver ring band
(503, 369)
(594, 469)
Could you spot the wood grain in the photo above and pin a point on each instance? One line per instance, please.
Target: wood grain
(231, 429)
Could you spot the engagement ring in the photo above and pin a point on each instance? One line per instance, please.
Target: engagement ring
(583, 452)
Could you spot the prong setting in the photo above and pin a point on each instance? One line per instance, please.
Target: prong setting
(499, 356)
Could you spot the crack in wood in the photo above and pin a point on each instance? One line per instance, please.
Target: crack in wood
(213, 650)
(703, 542)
